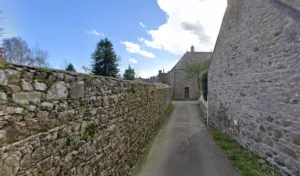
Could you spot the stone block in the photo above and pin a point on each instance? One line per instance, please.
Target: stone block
(67, 115)
(19, 110)
(46, 106)
(2, 137)
(42, 114)
(26, 86)
(3, 77)
(40, 86)
(15, 88)
(58, 91)
(296, 139)
(3, 96)
(31, 108)
(25, 98)
(77, 90)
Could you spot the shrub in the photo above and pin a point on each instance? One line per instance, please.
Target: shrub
(204, 86)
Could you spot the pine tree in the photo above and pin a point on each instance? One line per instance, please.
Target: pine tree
(70, 67)
(105, 61)
(129, 74)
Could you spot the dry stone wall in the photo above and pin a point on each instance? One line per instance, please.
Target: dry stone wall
(254, 79)
(66, 123)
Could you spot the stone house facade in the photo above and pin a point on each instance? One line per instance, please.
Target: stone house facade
(185, 88)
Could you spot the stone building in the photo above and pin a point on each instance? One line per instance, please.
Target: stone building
(162, 77)
(254, 80)
(185, 88)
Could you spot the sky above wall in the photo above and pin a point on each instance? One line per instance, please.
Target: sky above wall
(149, 35)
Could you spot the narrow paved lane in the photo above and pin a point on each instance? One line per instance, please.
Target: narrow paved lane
(185, 148)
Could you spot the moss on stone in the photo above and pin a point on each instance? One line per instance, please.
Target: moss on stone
(22, 105)
(74, 138)
(91, 131)
(4, 65)
(47, 70)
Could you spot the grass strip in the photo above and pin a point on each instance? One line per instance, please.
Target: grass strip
(248, 163)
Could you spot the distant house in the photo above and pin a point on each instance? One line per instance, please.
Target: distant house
(151, 79)
(185, 88)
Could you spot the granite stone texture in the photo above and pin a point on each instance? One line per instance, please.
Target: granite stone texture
(65, 123)
(254, 80)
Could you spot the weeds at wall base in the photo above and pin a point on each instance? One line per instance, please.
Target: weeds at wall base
(246, 162)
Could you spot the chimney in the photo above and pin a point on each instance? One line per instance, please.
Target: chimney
(192, 49)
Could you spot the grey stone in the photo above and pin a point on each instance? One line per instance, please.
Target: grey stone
(296, 139)
(34, 97)
(40, 86)
(3, 96)
(31, 108)
(58, 91)
(21, 97)
(42, 114)
(13, 76)
(25, 98)
(11, 163)
(77, 90)
(67, 115)
(26, 86)
(3, 77)
(15, 88)
(19, 110)
(46, 106)
(278, 133)
(10, 110)
(2, 139)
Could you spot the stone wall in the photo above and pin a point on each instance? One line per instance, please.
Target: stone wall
(254, 79)
(66, 123)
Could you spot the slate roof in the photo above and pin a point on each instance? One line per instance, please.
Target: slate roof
(189, 55)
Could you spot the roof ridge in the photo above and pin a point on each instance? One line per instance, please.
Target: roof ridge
(188, 53)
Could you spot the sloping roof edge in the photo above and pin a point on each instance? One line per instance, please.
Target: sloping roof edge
(185, 55)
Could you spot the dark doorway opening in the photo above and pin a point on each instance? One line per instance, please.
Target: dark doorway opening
(186, 92)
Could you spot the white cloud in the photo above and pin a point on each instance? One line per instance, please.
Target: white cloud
(196, 22)
(150, 44)
(133, 60)
(135, 48)
(94, 32)
(141, 24)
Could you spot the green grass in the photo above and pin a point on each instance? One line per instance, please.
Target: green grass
(243, 160)
(4, 65)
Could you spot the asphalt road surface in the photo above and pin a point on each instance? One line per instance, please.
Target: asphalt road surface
(184, 147)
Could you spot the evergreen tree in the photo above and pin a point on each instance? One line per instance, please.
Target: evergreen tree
(70, 67)
(105, 61)
(129, 74)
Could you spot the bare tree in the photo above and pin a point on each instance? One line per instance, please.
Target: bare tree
(16, 50)
(38, 57)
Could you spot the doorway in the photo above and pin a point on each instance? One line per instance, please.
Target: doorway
(186, 92)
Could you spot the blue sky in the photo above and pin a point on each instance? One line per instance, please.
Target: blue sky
(149, 34)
